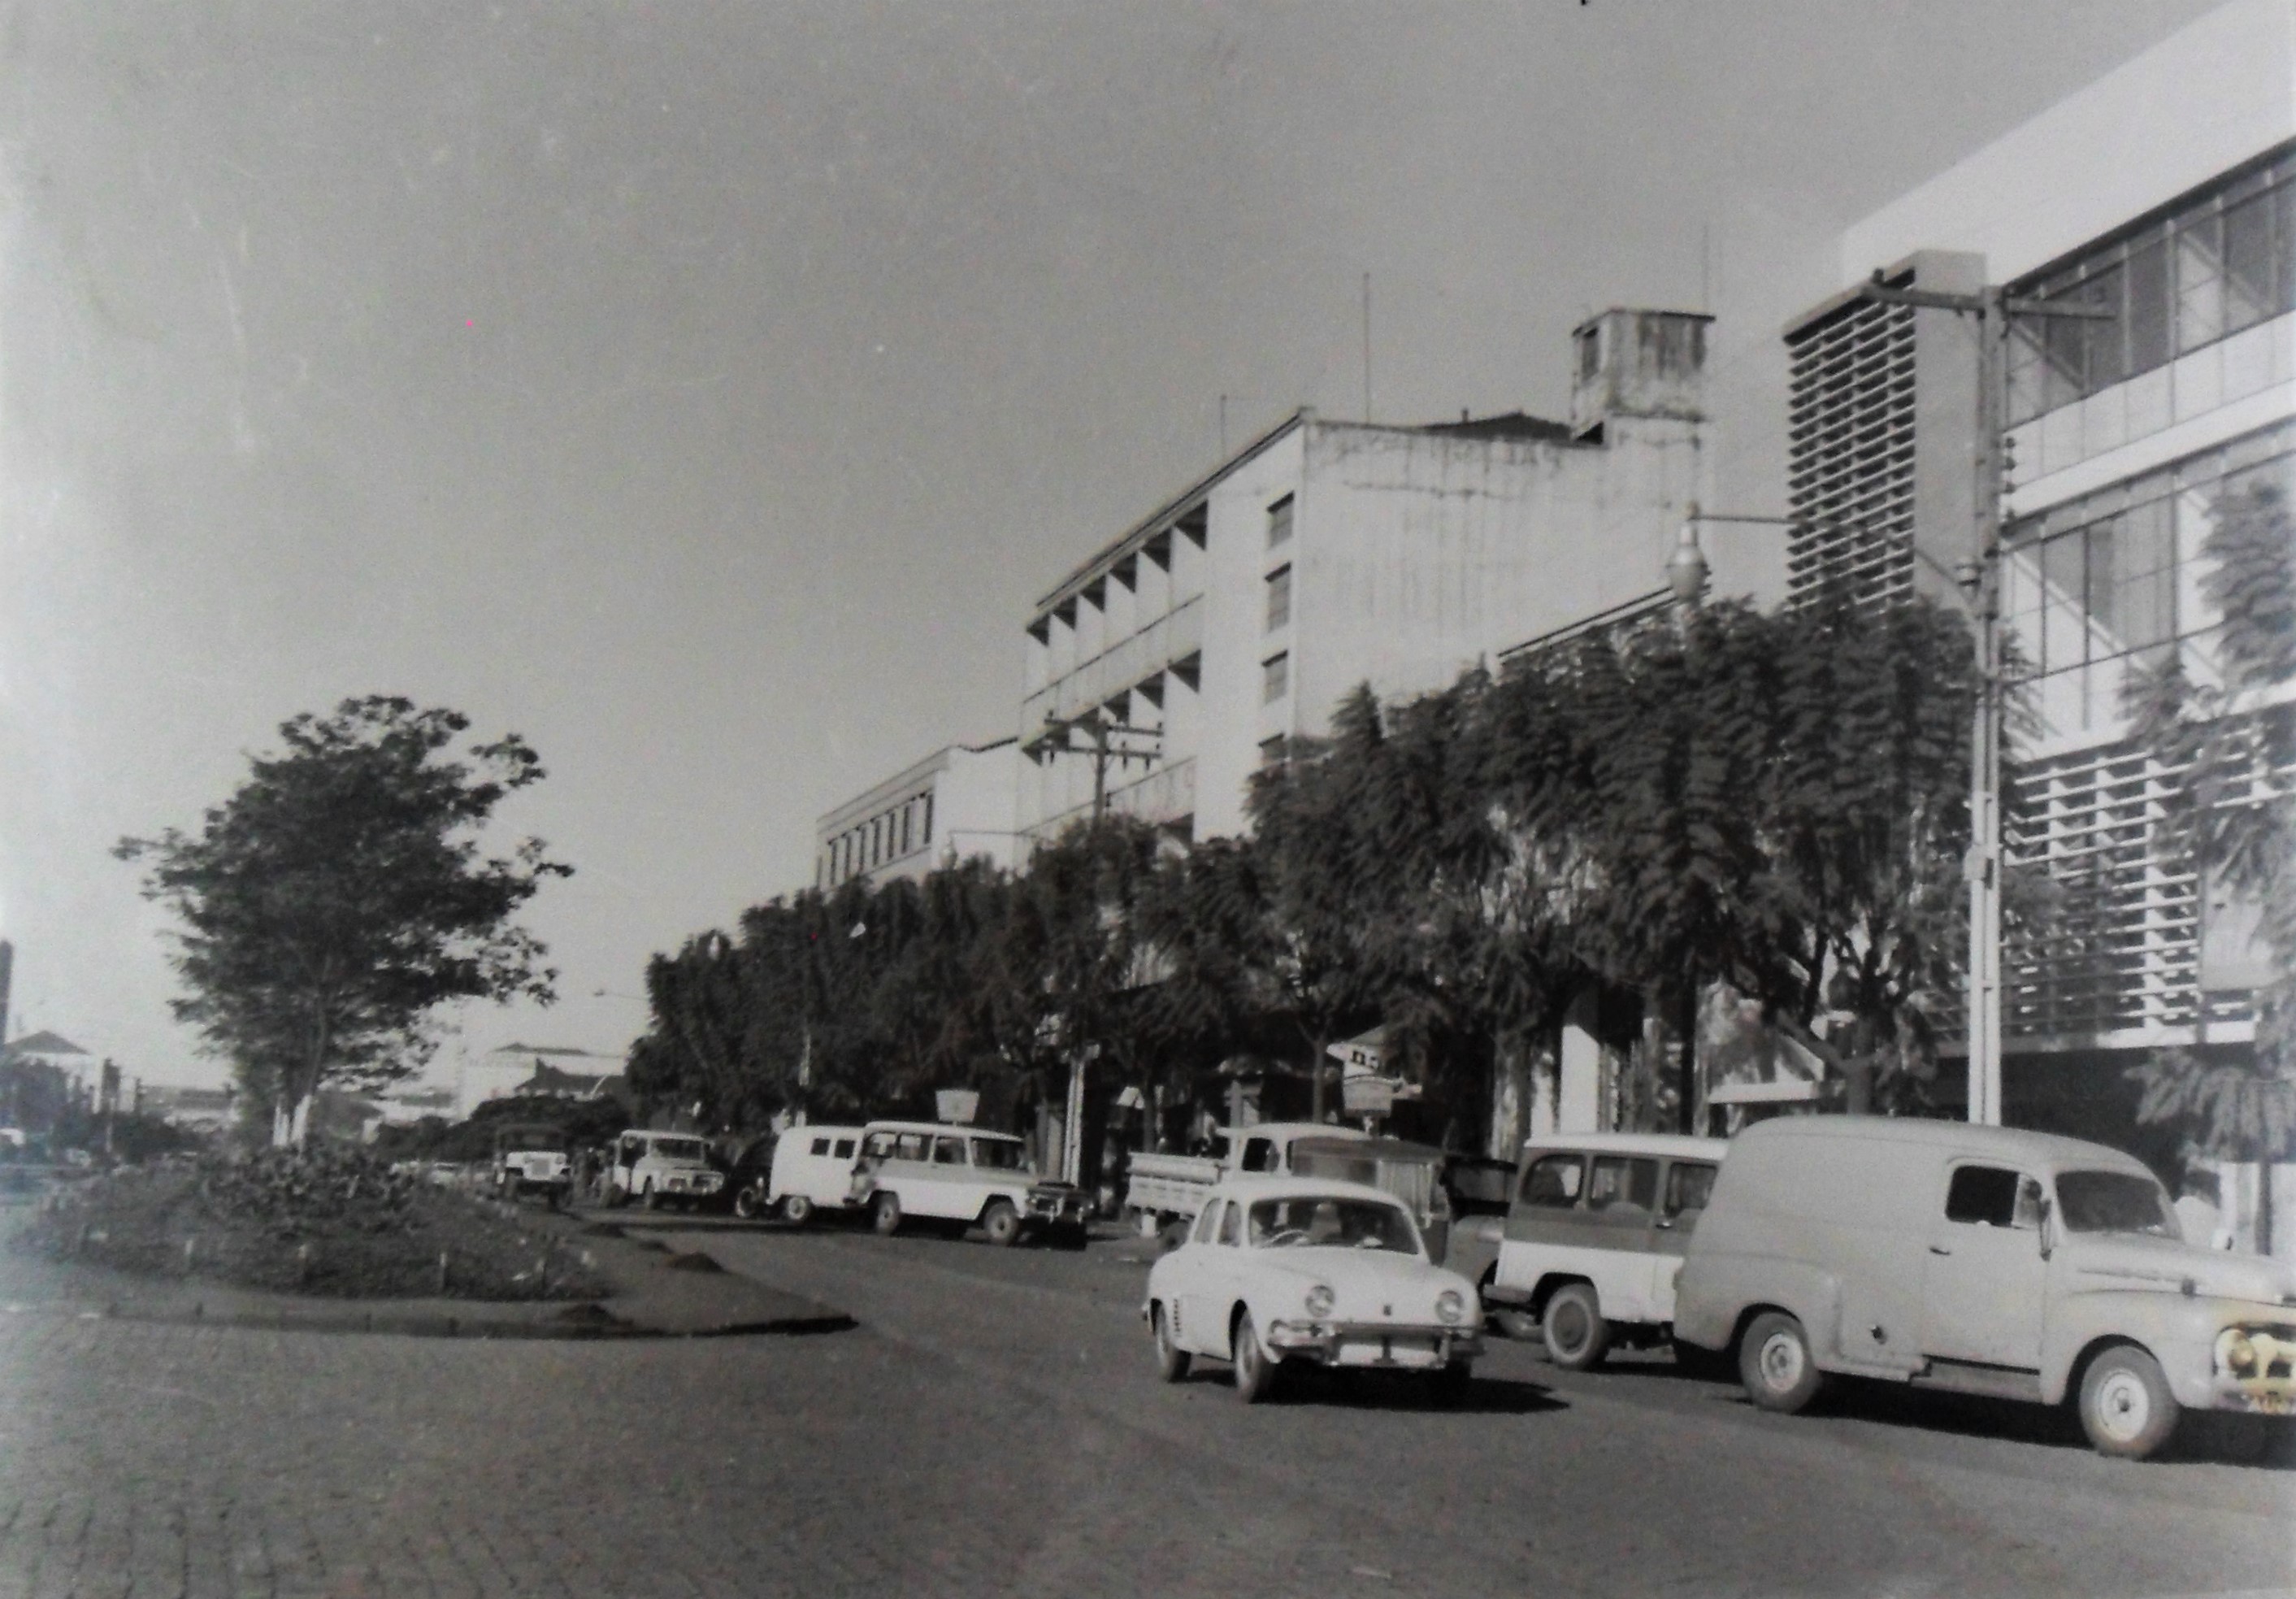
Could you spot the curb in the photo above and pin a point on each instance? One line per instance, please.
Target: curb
(613, 1328)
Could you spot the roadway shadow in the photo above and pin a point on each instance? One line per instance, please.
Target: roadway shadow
(2201, 1437)
(1394, 1390)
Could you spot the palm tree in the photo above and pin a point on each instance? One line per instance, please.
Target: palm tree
(2231, 815)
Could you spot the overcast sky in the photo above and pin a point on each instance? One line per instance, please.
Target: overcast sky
(705, 392)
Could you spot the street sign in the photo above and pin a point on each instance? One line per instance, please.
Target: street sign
(957, 1105)
(1367, 1095)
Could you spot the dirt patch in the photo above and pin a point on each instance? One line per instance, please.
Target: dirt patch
(334, 1223)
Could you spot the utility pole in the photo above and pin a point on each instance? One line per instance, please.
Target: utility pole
(1102, 732)
(1992, 309)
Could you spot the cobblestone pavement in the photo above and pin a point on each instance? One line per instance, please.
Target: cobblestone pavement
(995, 1428)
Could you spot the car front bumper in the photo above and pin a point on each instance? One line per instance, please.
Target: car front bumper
(1374, 1344)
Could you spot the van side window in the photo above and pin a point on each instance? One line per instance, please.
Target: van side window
(911, 1147)
(1689, 1184)
(821, 1146)
(844, 1150)
(1207, 1223)
(948, 1152)
(1982, 1195)
(1554, 1180)
(879, 1146)
(1623, 1181)
(1232, 1222)
(1259, 1154)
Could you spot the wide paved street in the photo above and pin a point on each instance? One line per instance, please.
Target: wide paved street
(995, 1426)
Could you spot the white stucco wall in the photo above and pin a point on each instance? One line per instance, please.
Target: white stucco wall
(2208, 96)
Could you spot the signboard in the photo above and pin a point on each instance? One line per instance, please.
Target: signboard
(1367, 1095)
(957, 1105)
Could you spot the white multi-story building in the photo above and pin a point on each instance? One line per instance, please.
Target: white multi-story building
(2165, 193)
(955, 804)
(1325, 554)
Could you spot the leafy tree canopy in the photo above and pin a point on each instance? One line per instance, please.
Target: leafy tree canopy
(341, 894)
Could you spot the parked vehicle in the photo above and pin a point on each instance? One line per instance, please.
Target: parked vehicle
(749, 1176)
(661, 1169)
(959, 1176)
(1594, 1237)
(1280, 1271)
(1982, 1260)
(529, 1157)
(813, 1172)
(1174, 1187)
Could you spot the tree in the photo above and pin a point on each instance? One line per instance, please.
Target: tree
(2231, 815)
(339, 896)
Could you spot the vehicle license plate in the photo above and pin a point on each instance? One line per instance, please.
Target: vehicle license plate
(1413, 1352)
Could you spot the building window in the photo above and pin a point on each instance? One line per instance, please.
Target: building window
(2098, 581)
(1279, 597)
(908, 821)
(2220, 261)
(1271, 750)
(1279, 522)
(1274, 677)
(925, 832)
(1590, 351)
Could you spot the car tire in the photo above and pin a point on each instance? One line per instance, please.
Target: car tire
(1255, 1372)
(885, 1214)
(2126, 1407)
(1172, 1361)
(1577, 1336)
(1775, 1364)
(796, 1210)
(1001, 1223)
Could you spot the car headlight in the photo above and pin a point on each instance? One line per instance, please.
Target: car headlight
(1450, 1305)
(1320, 1300)
(2235, 1353)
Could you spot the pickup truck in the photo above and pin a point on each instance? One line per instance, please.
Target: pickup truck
(1168, 1189)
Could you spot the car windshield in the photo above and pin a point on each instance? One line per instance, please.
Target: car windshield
(679, 1149)
(2114, 1201)
(1314, 1221)
(998, 1154)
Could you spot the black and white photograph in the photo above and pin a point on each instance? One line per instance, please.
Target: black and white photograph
(1046, 798)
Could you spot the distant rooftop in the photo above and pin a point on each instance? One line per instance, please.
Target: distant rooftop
(42, 1044)
(1510, 424)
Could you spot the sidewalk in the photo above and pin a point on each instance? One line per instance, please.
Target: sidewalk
(655, 1294)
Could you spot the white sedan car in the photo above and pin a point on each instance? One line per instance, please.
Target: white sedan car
(1280, 1271)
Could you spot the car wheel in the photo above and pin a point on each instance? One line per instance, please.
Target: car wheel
(885, 1214)
(1255, 1372)
(749, 1203)
(1577, 1336)
(1001, 1223)
(796, 1210)
(1172, 1361)
(1775, 1364)
(2126, 1407)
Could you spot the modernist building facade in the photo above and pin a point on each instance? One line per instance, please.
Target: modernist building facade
(955, 804)
(2164, 193)
(1325, 554)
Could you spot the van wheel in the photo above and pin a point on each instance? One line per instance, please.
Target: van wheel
(1577, 1335)
(1775, 1364)
(2126, 1407)
(1255, 1372)
(885, 1215)
(796, 1210)
(1001, 1223)
(1172, 1361)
